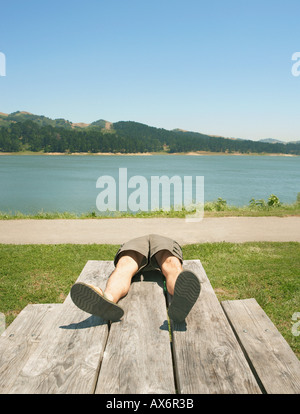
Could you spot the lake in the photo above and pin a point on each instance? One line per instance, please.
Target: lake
(30, 184)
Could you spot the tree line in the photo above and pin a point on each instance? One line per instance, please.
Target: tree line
(124, 137)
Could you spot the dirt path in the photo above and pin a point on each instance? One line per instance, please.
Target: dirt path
(116, 231)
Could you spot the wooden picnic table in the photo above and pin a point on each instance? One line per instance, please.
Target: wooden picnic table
(230, 347)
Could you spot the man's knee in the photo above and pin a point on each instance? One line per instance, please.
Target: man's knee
(165, 257)
(172, 260)
(128, 256)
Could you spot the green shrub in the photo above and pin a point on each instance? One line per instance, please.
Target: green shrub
(273, 201)
(218, 205)
(254, 204)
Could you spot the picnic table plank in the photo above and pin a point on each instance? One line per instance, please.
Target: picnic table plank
(276, 365)
(137, 358)
(20, 339)
(208, 358)
(57, 348)
(67, 359)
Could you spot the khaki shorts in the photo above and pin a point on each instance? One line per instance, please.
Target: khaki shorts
(148, 246)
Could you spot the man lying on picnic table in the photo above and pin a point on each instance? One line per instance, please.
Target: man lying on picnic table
(151, 252)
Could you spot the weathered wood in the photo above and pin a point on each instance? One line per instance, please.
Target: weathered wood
(208, 358)
(67, 359)
(61, 349)
(137, 357)
(21, 338)
(273, 360)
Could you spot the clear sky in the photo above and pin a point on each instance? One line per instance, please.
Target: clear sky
(212, 66)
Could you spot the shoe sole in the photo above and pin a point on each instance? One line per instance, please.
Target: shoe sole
(186, 292)
(90, 301)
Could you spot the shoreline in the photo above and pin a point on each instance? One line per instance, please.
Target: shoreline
(118, 154)
(210, 210)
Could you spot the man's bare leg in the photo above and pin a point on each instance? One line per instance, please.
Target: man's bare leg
(90, 298)
(170, 266)
(187, 289)
(119, 281)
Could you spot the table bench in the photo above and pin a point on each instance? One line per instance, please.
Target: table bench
(222, 348)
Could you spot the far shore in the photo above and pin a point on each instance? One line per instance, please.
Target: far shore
(194, 153)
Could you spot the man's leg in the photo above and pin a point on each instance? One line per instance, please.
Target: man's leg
(93, 300)
(170, 266)
(119, 281)
(182, 285)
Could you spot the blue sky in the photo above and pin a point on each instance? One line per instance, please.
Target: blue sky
(217, 67)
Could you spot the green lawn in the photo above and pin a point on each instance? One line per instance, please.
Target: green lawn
(268, 272)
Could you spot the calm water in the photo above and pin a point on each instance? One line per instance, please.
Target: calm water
(30, 184)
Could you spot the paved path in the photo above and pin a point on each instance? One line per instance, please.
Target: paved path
(116, 231)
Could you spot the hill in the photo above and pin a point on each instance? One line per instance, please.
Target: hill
(271, 141)
(22, 116)
(21, 131)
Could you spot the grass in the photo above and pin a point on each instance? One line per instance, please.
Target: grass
(268, 272)
(218, 208)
